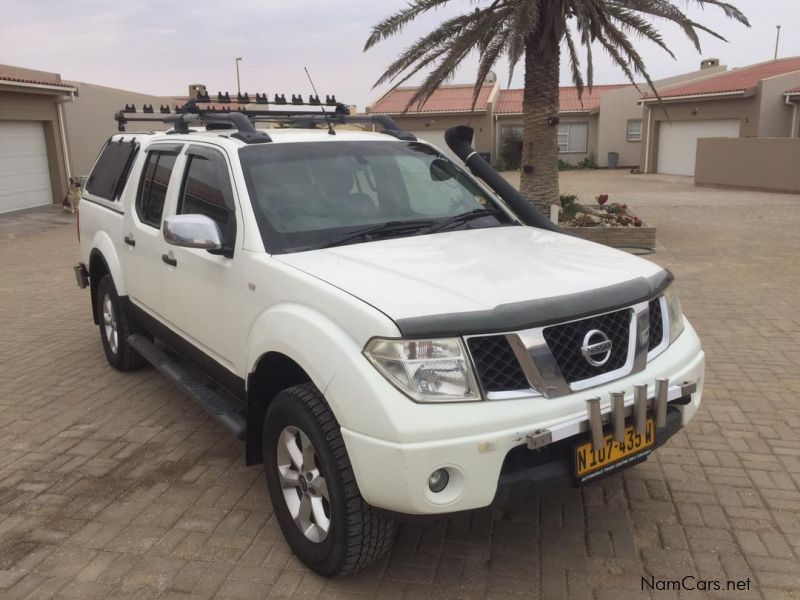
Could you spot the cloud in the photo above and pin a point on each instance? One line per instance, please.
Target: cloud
(161, 47)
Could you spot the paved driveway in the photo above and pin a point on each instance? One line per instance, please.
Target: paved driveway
(116, 485)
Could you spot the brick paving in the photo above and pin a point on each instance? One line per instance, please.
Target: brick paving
(116, 486)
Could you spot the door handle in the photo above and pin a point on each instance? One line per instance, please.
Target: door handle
(170, 261)
(129, 240)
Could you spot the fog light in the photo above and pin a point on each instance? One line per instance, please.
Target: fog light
(438, 480)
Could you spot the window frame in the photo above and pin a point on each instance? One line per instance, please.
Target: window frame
(569, 125)
(171, 149)
(117, 185)
(505, 127)
(628, 130)
(229, 233)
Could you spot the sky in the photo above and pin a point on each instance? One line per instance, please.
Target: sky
(161, 47)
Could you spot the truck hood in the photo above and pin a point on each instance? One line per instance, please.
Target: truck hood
(478, 272)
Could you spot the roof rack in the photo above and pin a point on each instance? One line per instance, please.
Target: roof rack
(240, 115)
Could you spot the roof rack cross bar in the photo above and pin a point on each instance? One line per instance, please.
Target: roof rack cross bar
(242, 116)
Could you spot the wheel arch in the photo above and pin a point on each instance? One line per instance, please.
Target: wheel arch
(98, 268)
(273, 371)
(104, 260)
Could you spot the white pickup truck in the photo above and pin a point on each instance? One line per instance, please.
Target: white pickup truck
(389, 332)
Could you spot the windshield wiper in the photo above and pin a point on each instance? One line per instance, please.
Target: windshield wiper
(477, 213)
(380, 229)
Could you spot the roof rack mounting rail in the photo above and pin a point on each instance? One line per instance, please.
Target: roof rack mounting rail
(241, 116)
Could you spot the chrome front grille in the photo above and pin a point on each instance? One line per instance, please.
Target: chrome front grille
(498, 369)
(567, 339)
(656, 324)
(552, 361)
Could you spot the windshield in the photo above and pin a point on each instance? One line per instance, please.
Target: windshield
(317, 194)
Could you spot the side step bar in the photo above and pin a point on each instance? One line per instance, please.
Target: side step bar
(214, 404)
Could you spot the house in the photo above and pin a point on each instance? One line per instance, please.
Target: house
(606, 119)
(90, 120)
(449, 106)
(578, 126)
(33, 147)
(51, 130)
(758, 101)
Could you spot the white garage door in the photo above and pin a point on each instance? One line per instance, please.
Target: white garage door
(677, 142)
(435, 137)
(24, 172)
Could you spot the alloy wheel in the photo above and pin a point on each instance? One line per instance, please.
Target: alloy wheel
(304, 487)
(110, 324)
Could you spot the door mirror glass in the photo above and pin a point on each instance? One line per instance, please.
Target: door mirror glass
(192, 231)
(441, 170)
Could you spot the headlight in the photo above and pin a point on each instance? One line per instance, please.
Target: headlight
(674, 313)
(425, 370)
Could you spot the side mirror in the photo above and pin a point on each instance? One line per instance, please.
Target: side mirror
(442, 170)
(192, 231)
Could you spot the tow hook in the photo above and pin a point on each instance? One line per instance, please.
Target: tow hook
(81, 275)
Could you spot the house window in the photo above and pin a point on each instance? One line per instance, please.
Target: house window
(635, 130)
(510, 132)
(572, 137)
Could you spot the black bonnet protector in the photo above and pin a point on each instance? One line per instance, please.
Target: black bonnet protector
(537, 313)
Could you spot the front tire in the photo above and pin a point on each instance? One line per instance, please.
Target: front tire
(319, 508)
(115, 327)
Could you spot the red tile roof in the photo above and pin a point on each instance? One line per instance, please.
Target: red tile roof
(56, 83)
(735, 80)
(794, 90)
(448, 98)
(510, 101)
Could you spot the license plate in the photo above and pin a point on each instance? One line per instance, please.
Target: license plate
(614, 455)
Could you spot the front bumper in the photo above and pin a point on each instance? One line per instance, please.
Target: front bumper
(393, 475)
(527, 474)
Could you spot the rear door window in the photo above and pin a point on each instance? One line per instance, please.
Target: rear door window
(153, 186)
(112, 168)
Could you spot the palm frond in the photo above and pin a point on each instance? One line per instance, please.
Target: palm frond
(523, 20)
(535, 29)
(461, 46)
(729, 9)
(574, 62)
(396, 22)
(633, 23)
(488, 59)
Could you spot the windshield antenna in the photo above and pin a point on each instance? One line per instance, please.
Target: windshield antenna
(321, 105)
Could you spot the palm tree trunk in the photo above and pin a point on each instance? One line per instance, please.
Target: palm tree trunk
(539, 180)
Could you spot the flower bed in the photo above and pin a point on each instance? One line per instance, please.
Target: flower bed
(606, 223)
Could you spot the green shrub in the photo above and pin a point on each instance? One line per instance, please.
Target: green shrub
(565, 166)
(509, 151)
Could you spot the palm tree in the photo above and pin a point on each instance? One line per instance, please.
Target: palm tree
(536, 30)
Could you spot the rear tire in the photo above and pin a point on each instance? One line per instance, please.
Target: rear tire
(115, 327)
(326, 522)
